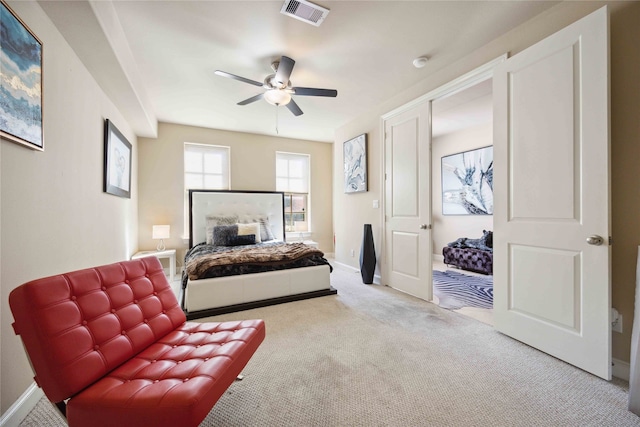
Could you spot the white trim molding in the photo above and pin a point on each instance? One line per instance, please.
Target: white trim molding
(620, 369)
(21, 407)
(376, 277)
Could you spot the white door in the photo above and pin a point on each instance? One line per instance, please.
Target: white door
(408, 201)
(551, 153)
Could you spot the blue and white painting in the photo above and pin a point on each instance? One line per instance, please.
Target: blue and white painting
(355, 164)
(467, 183)
(20, 82)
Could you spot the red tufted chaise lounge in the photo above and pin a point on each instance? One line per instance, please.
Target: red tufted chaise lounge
(112, 342)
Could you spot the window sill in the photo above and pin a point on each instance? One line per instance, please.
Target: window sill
(297, 236)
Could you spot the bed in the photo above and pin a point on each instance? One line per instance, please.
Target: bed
(226, 275)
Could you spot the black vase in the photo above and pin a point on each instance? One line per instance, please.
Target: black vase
(367, 256)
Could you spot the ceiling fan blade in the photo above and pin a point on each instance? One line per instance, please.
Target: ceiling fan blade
(242, 79)
(293, 107)
(284, 70)
(252, 99)
(310, 91)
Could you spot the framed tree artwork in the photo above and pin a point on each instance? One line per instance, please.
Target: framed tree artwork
(117, 162)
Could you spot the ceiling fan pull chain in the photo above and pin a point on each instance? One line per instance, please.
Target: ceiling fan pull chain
(277, 132)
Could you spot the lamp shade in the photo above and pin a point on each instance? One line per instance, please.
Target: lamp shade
(161, 232)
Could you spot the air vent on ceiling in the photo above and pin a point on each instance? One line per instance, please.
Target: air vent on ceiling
(305, 11)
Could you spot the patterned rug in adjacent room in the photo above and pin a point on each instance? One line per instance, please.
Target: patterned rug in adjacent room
(456, 290)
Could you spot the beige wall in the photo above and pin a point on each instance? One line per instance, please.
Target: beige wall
(161, 183)
(353, 210)
(447, 228)
(55, 217)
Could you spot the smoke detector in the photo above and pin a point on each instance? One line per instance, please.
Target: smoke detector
(304, 11)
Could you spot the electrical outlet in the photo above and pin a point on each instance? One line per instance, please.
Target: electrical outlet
(616, 325)
(353, 253)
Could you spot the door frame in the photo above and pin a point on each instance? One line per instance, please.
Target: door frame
(459, 84)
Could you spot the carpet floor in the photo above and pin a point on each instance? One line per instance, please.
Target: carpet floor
(373, 356)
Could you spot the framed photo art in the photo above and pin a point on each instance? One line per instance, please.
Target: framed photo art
(117, 162)
(467, 182)
(355, 164)
(20, 82)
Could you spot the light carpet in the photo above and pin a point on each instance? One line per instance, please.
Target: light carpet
(372, 356)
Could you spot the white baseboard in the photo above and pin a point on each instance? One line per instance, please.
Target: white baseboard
(376, 277)
(21, 407)
(621, 369)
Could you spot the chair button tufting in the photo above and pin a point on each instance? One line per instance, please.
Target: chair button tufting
(113, 310)
(146, 321)
(124, 332)
(73, 298)
(185, 380)
(155, 381)
(104, 288)
(96, 347)
(135, 301)
(179, 362)
(84, 322)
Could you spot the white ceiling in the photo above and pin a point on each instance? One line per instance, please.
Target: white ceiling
(156, 59)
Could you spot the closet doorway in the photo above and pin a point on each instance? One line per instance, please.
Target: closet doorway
(462, 200)
(456, 95)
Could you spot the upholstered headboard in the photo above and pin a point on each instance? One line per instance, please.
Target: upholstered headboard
(241, 203)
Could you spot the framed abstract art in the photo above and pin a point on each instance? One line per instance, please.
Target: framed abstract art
(20, 82)
(355, 164)
(467, 182)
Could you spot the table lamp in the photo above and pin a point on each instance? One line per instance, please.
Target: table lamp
(161, 232)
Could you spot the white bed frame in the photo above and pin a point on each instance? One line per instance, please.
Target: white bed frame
(208, 297)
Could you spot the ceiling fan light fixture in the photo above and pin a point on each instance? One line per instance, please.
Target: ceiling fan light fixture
(277, 97)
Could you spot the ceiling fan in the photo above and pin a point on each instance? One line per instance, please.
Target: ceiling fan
(278, 86)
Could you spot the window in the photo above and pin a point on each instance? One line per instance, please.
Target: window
(292, 177)
(206, 167)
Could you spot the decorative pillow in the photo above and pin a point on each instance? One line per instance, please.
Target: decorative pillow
(487, 238)
(265, 227)
(213, 220)
(252, 228)
(247, 239)
(224, 234)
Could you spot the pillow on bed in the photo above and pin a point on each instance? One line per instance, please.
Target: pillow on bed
(224, 234)
(247, 239)
(213, 220)
(252, 228)
(265, 227)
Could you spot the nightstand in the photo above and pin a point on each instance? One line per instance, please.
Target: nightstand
(168, 253)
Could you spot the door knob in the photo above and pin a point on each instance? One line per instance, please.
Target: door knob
(595, 240)
(425, 226)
